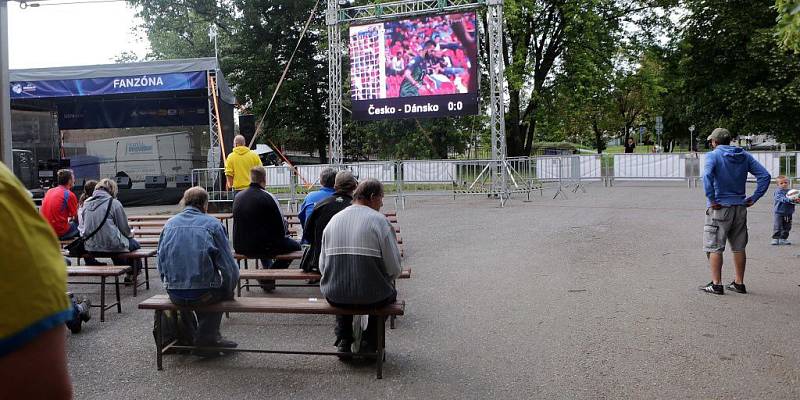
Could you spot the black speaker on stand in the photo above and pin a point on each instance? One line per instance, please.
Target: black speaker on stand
(155, 182)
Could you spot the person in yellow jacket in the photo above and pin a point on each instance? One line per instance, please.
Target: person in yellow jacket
(239, 163)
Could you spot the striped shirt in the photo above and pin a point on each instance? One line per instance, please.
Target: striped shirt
(359, 258)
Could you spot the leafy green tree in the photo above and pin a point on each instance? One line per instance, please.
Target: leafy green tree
(736, 74)
(789, 23)
(537, 35)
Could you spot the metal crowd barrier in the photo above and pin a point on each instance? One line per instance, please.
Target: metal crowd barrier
(474, 177)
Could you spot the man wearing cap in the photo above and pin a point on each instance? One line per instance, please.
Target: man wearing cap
(724, 180)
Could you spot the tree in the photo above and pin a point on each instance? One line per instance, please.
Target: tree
(537, 34)
(256, 40)
(736, 74)
(789, 23)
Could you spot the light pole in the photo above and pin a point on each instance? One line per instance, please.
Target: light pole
(5, 97)
(691, 138)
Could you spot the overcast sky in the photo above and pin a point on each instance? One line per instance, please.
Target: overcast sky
(77, 34)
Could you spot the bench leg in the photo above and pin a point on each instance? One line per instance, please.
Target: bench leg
(380, 345)
(135, 281)
(102, 299)
(159, 340)
(391, 321)
(116, 290)
(146, 275)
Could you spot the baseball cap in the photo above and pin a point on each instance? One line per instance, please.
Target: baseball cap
(720, 135)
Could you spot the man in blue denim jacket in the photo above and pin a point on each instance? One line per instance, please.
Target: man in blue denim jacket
(197, 266)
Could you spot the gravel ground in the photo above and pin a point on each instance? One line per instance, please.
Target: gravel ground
(590, 297)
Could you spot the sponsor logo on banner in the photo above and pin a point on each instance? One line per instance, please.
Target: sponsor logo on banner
(139, 148)
(140, 81)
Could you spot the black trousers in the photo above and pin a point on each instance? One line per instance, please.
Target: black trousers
(208, 324)
(781, 225)
(344, 323)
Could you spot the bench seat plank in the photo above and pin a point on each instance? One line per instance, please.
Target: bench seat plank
(112, 270)
(293, 274)
(273, 305)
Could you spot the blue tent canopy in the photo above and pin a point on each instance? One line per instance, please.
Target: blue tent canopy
(145, 94)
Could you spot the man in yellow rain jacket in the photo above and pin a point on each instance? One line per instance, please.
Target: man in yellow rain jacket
(239, 163)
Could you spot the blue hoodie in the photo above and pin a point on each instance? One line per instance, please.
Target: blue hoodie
(725, 176)
(782, 205)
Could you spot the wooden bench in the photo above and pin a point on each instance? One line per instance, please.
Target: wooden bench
(290, 275)
(144, 232)
(102, 272)
(270, 305)
(141, 254)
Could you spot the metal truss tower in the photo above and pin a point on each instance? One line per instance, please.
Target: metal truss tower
(409, 8)
(497, 104)
(335, 51)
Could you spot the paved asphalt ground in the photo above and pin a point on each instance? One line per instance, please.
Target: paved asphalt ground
(592, 297)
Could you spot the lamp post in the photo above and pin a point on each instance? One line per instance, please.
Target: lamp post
(691, 138)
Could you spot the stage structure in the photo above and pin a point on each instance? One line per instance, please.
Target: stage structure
(498, 170)
(140, 120)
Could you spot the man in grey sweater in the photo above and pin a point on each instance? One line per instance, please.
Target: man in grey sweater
(359, 261)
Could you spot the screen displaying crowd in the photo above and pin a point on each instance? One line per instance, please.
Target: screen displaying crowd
(432, 55)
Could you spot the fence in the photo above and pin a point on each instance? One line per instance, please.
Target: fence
(474, 177)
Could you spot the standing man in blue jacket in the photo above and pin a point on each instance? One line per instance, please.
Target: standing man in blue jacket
(724, 180)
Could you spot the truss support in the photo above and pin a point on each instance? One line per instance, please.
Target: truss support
(335, 51)
(215, 150)
(497, 106)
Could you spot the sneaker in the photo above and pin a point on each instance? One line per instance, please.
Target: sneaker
(786, 242)
(85, 310)
(713, 289)
(776, 242)
(737, 288)
(93, 262)
(343, 346)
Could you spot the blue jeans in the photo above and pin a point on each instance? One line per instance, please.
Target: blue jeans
(133, 245)
(72, 232)
(287, 245)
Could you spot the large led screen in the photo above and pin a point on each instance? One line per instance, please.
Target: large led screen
(415, 68)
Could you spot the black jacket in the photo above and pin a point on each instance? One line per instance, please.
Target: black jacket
(315, 225)
(257, 221)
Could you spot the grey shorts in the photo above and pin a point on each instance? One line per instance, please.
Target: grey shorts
(728, 224)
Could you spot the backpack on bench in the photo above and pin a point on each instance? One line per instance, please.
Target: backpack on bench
(176, 325)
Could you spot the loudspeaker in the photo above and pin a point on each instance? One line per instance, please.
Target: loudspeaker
(155, 182)
(123, 182)
(79, 184)
(183, 181)
(247, 127)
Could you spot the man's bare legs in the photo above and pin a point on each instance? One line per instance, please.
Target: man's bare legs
(715, 261)
(740, 262)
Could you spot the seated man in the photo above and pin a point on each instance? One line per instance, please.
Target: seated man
(60, 207)
(359, 261)
(326, 180)
(344, 184)
(197, 266)
(259, 227)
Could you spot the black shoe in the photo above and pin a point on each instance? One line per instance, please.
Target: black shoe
(92, 262)
(737, 288)
(267, 285)
(713, 289)
(368, 348)
(228, 344)
(343, 346)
